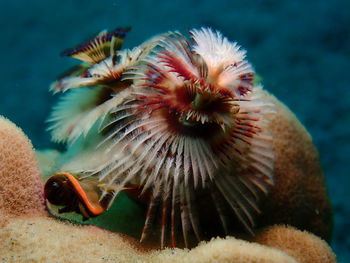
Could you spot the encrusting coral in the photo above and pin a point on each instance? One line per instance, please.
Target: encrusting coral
(299, 196)
(21, 191)
(30, 235)
(302, 245)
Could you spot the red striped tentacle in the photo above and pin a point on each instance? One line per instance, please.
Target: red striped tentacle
(98, 48)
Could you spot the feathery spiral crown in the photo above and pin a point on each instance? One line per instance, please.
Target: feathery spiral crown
(186, 126)
(95, 86)
(193, 124)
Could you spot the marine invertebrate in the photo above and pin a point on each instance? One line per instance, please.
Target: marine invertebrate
(83, 197)
(197, 114)
(64, 189)
(100, 61)
(191, 132)
(102, 69)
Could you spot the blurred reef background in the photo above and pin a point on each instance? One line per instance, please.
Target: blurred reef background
(301, 49)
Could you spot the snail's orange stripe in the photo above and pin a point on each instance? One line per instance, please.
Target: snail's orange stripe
(95, 210)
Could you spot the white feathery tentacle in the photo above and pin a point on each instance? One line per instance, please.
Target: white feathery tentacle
(189, 195)
(77, 112)
(184, 215)
(219, 206)
(215, 49)
(231, 199)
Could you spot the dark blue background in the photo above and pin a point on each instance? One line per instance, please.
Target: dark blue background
(300, 48)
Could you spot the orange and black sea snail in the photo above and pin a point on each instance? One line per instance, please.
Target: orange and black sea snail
(63, 189)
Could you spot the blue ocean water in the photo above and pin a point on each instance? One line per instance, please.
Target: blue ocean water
(300, 48)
